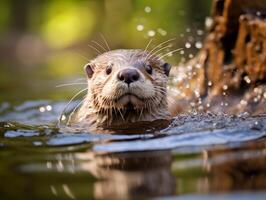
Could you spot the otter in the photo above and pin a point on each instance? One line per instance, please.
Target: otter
(125, 87)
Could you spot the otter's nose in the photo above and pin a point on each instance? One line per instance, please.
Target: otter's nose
(128, 75)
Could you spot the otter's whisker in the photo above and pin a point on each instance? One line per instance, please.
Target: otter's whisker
(105, 41)
(59, 120)
(82, 56)
(147, 46)
(169, 53)
(154, 53)
(141, 111)
(172, 100)
(160, 89)
(161, 92)
(70, 84)
(74, 110)
(97, 50)
(121, 114)
(115, 110)
(80, 79)
(99, 45)
(159, 45)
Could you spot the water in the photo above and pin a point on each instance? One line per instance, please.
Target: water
(198, 156)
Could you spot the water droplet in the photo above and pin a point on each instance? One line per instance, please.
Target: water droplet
(63, 117)
(199, 101)
(243, 102)
(200, 108)
(257, 125)
(198, 66)
(192, 104)
(48, 108)
(209, 83)
(147, 9)
(140, 27)
(198, 45)
(208, 22)
(225, 87)
(200, 32)
(182, 52)
(190, 55)
(247, 79)
(258, 13)
(151, 33)
(162, 32)
(258, 90)
(187, 45)
(197, 94)
(42, 109)
(37, 143)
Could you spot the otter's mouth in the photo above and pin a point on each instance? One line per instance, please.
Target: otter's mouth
(129, 99)
(129, 95)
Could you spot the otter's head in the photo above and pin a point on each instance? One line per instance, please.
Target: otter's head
(129, 81)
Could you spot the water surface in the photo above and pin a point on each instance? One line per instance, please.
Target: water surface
(198, 156)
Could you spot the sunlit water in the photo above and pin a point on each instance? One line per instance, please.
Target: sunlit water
(197, 156)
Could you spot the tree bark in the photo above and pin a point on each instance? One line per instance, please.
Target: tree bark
(231, 66)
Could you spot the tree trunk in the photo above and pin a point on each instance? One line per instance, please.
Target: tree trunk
(231, 67)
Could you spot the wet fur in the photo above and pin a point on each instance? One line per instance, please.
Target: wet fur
(101, 107)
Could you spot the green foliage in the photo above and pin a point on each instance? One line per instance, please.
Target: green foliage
(43, 42)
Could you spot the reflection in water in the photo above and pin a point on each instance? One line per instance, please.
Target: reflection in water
(116, 176)
(165, 173)
(243, 171)
(121, 176)
(75, 172)
(225, 170)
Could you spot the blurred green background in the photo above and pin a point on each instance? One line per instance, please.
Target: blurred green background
(44, 43)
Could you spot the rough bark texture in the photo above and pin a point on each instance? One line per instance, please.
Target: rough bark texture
(232, 61)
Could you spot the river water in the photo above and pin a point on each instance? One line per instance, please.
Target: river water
(199, 156)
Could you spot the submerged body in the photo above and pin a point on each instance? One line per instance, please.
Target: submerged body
(125, 87)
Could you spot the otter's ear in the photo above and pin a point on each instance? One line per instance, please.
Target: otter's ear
(89, 70)
(167, 68)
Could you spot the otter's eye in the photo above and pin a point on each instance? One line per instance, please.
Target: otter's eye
(148, 69)
(108, 69)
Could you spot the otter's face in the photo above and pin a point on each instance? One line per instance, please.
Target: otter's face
(124, 79)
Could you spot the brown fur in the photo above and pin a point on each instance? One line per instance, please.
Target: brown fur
(106, 104)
